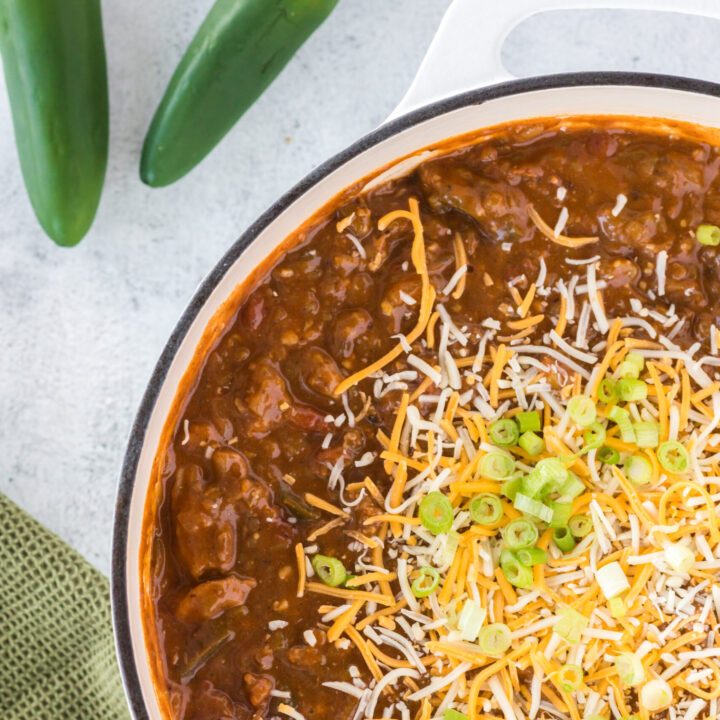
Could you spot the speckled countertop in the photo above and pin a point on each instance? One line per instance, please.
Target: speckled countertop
(80, 329)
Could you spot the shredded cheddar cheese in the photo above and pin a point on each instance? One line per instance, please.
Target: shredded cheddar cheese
(637, 576)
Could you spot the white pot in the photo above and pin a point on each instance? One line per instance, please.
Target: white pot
(456, 91)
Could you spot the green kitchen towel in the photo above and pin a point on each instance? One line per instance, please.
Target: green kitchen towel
(57, 658)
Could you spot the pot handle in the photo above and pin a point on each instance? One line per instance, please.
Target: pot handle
(465, 52)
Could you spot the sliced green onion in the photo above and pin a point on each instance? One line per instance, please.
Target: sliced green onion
(533, 485)
(708, 235)
(580, 525)
(426, 582)
(471, 618)
(628, 370)
(612, 579)
(529, 421)
(495, 639)
(679, 557)
(570, 624)
(511, 487)
(646, 434)
(673, 457)
(606, 390)
(582, 410)
(520, 533)
(552, 471)
(504, 432)
(572, 487)
(621, 418)
(533, 507)
(632, 365)
(329, 569)
(514, 571)
(497, 465)
(631, 389)
(656, 695)
(486, 509)
(561, 513)
(531, 556)
(563, 538)
(570, 677)
(630, 668)
(451, 714)
(531, 443)
(594, 436)
(617, 607)
(436, 512)
(448, 549)
(638, 469)
(608, 455)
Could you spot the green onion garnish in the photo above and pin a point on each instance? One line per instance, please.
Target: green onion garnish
(570, 677)
(436, 513)
(528, 421)
(572, 487)
(426, 582)
(580, 525)
(470, 620)
(520, 533)
(606, 390)
(531, 443)
(494, 639)
(329, 569)
(533, 507)
(582, 410)
(646, 434)
(448, 549)
(531, 556)
(497, 466)
(628, 370)
(638, 469)
(533, 485)
(708, 235)
(451, 714)
(656, 694)
(511, 487)
(486, 509)
(570, 624)
(563, 538)
(621, 418)
(632, 365)
(617, 608)
(504, 432)
(673, 457)
(678, 556)
(631, 389)
(594, 436)
(552, 470)
(608, 455)
(514, 571)
(630, 668)
(561, 513)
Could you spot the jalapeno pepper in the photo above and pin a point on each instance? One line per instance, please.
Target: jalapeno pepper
(238, 51)
(54, 61)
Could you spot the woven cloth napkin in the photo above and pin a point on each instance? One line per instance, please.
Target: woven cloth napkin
(57, 658)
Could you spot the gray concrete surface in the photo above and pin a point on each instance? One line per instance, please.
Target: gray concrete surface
(81, 329)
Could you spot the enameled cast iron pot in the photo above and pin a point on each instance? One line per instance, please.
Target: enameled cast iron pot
(440, 104)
